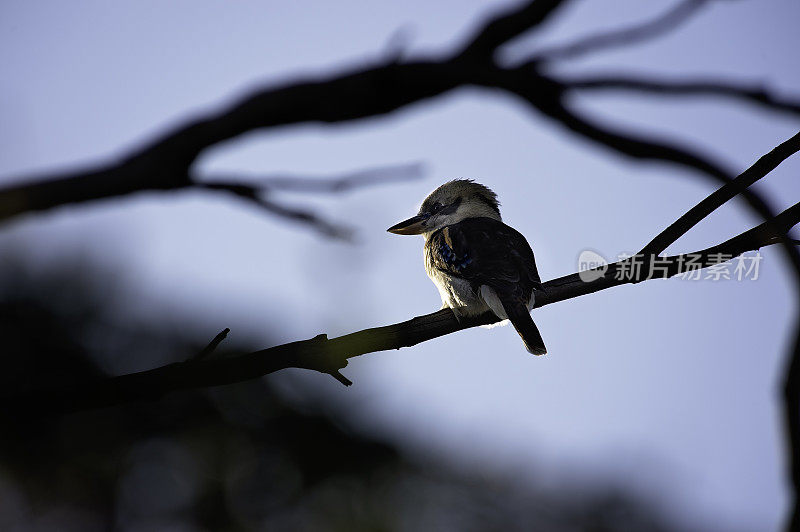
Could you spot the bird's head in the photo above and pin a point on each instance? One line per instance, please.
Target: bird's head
(451, 203)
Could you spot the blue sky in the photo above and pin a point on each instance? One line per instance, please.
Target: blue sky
(670, 387)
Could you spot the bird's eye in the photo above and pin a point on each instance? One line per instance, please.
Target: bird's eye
(436, 207)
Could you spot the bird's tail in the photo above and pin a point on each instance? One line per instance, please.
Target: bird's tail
(521, 319)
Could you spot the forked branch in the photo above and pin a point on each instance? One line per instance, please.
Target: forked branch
(330, 355)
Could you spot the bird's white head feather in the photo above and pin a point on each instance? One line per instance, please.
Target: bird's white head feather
(458, 200)
(453, 202)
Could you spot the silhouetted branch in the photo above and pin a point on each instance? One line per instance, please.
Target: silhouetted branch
(758, 95)
(716, 199)
(636, 147)
(546, 96)
(661, 25)
(212, 345)
(632, 145)
(337, 184)
(259, 198)
(166, 163)
(330, 355)
(503, 27)
(257, 192)
(305, 216)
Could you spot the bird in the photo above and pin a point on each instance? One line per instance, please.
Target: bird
(477, 262)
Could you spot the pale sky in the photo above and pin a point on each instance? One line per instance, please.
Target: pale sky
(669, 388)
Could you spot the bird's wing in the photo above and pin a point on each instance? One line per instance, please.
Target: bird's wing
(485, 251)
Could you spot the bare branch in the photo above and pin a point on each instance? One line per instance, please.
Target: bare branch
(332, 185)
(649, 30)
(546, 96)
(308, 217)
(257, 192)
(656, 150)
(260, 199)
(506, 26)
(330, 355)
(212, 345)
(758, 95)
(719, 197)
(165, 164)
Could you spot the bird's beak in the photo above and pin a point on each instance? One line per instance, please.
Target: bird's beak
(412, 226)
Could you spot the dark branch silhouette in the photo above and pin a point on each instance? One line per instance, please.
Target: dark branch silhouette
(335, 184)
(212, 345)
(635, 146)
(755, 94)
(661, 25)
(503, 27)
(256, 191)
(259, 198)
(719, 197)
(166, 164)
(330, 355)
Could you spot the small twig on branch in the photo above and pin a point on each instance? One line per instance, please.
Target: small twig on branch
(549, 102)
(308, 217)
(649, 30)
(336, 184)
(257, 192)
(719, 197)
(503, 27)
(259, 199)
(758, 95)
(212, 345)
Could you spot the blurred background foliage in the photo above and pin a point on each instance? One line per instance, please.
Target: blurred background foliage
(237, 457)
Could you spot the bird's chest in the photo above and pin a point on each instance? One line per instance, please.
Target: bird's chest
(456, 293)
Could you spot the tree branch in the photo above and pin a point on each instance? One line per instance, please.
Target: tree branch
(504, 27)
(259, 199)
(330, 355)
(758, 95)
(257, 192)
(212, 345)
(332, 185)
(660, 25)
(546, 96)
(719, 197)
(165, 164)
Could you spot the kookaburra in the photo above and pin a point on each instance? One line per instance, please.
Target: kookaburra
(477, 262)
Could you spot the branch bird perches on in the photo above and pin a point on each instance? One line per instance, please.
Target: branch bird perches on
(330, 355)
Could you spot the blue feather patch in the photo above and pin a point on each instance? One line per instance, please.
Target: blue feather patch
(449, 257)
